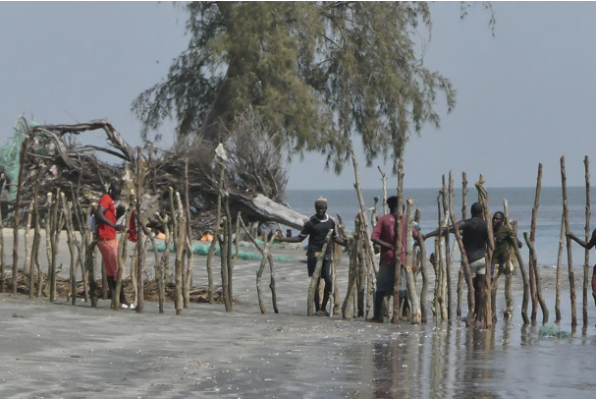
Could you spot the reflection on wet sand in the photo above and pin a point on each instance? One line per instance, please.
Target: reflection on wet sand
(462, 363)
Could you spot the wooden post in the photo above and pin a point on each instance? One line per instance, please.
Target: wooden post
(36, 240)
(70, 238)
(81, 222)
(2, 257)
(410, 281)
(217, 233)
(272, 282)
(27, 263)
(508, 311)
(316, 275)
(365, 227)
(164, 261)
(464, 259)
(179, 247)
(559, 268)
(140, 221)
(352, 270)
(90, 260)
(448, 275)
(585, 285)
(460, 273)
(17, 209)
(533, 257)
(187, 196)
(532, 265)
(265, 254)
(384, 204)
(484, 201)
(523, 274)
(568, 243)
(122, 256)
(544, 308)
(398, 246)
(55, 228)
(228, 238)
(27, 270)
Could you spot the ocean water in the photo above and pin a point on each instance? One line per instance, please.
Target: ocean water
(520, 205)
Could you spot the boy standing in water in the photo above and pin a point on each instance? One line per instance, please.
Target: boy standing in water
(317, 228)
(586, 245)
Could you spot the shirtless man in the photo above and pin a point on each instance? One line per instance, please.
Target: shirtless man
(586, 245)
(317, 228)
(475, 240)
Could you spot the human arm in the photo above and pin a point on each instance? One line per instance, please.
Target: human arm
(101, 217)
(300, 238)
(451, 229)
(582, 243)
(376, 236)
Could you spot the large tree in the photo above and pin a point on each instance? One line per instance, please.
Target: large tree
(317, 73)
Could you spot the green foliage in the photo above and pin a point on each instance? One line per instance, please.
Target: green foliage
(318, 74)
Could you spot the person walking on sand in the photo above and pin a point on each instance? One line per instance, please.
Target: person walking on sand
(107, 243)
(384, 235)
(317, 228)
(475, 240)
(586, 245)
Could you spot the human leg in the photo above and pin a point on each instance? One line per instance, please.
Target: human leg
(384, 287)
(326, 275)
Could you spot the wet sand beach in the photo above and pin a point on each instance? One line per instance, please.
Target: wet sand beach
(55, 350)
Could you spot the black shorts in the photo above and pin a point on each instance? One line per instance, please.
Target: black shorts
(326, 268)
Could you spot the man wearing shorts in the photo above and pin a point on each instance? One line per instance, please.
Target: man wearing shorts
(317, 228)
(107, 243)
(475, 239)
(384, 235)
(586, 245)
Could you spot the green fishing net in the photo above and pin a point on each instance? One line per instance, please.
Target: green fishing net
(203, 249)
(552, 331)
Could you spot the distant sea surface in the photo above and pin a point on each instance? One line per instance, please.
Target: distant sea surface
(520, 205)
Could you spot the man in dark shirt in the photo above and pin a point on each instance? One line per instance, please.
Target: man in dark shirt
(474, 238)
(317, 228)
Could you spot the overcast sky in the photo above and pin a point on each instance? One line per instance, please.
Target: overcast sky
(524, 97)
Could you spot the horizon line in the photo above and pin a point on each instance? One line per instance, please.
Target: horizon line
(424, 188)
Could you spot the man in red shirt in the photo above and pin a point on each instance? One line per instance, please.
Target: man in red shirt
(106, 240)
(384, 235)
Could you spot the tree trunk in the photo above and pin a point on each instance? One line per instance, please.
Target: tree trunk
(523, 274)
(398, 246)
(568, 243)
(316, 275)
(187, 205)
(70, 238)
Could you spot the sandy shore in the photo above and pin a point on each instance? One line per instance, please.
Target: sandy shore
(62, 351)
